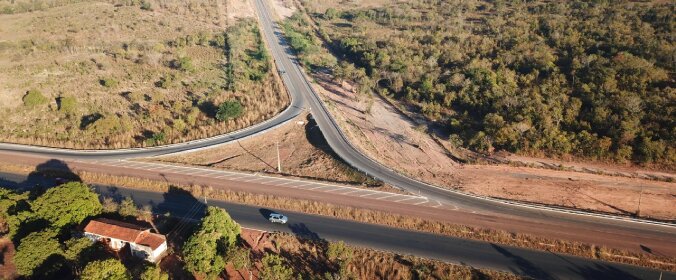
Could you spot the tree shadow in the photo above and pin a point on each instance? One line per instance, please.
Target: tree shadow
(182, 206)
(45, 175)
(523, 266)
(302, 231)
(87, 120)
(208, 108)
(596, 270)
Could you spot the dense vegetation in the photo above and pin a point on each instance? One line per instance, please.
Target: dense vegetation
(591, 79)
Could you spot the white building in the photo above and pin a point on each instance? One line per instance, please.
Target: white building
(143, 243)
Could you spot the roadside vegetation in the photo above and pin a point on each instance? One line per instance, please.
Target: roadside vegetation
(164, 72)
(574, 78)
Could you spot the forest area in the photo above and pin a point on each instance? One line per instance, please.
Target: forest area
(581, 79)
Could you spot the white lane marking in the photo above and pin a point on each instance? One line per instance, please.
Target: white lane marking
(387, 196)
(364, 195)
(318, 187)
(405, 199)
(354, 191)
(425, 201)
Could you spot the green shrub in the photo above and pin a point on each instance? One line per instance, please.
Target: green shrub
(67, 104)
(34, 98)
(145, 5)
(228, 110)
(108, 82)
(184, 64)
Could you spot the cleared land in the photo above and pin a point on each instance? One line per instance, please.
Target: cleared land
(106, 74)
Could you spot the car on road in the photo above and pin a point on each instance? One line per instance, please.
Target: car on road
(278, 218)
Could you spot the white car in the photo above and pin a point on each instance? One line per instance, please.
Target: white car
(278, 218)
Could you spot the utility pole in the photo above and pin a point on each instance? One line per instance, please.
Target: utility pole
(640, 196)
(279, 160)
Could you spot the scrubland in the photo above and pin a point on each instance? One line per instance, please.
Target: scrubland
(113, 74)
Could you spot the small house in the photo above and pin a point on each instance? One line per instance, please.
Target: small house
(143, 243)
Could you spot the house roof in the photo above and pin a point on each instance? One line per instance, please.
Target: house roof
(125, 231)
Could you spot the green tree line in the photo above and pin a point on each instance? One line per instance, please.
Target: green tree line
(587, 78)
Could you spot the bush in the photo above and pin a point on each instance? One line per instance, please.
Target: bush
(108, 82)
(67, 104)
(184, 64)
(34, 98)
(228, 110)
(145, 5)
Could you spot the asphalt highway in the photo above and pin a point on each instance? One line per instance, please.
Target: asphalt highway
(535, 264)
(302, 94)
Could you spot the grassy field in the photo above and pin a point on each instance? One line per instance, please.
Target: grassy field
(112, 74)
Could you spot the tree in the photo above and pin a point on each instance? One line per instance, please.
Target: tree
(128, 208)
(341, 255)
(154, 272)
(78, 252)
(109, 205)
(34, 251)
(228, 110)
(200, 254)
(239, 258)
(203, 252)
(34, 98)
(274, 268)
(67, 204)
(110, 269)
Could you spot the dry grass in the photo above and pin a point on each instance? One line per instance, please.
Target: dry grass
(68, 48)
(372, 264)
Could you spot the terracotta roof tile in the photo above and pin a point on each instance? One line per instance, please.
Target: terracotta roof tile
(125, 231)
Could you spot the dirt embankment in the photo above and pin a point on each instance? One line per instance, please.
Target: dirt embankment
(303, 153)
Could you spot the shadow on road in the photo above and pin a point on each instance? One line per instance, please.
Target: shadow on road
(47, 174)
(265, 212)
(523, 266)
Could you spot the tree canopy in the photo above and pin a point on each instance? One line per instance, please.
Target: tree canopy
(34, 251)
(584, 78)
(67, 204)
(274, 268)
(204, 251)
(110, 269)
(228, 110)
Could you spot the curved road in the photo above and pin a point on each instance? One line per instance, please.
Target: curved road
(302, 93)
(341, 146)
(295, 108)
